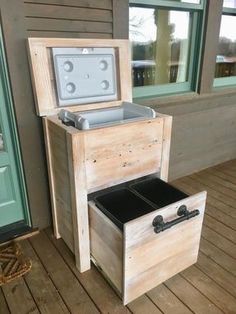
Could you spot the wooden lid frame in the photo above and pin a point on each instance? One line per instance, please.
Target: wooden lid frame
(44, 85)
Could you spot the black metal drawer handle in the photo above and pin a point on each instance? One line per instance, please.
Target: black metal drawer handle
(159, 224)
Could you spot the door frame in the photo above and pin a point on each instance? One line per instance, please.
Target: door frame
(15, 228)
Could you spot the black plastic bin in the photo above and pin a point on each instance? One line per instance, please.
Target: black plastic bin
(158, 192)
(135, 199)
(122, 205)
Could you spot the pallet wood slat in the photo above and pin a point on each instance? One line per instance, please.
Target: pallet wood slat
(79, 200)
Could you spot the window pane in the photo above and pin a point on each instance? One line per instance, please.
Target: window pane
(229, 4)
(160, 41)
(188, 1)
(226, 54)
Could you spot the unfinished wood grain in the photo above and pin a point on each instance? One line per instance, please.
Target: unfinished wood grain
(79, 201)
(217, 255)
(222, 299)
(45, 294)
(19, 298)
(191, 296)
(97, 287)
(51, 178)
(167, 127)
(59, 180)
(3, 304)
(106, 245)
(41, 63)
(70, 289)
(166, 300)
(178, 246)
(120, 153)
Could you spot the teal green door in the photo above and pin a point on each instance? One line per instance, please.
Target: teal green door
(13, 206)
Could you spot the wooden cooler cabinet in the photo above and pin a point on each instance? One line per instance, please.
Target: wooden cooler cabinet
(110, 201)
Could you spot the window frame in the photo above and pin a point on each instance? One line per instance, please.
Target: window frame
(230, 81)
(196, 41)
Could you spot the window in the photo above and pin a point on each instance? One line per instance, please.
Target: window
(165, 38)
(225, 71)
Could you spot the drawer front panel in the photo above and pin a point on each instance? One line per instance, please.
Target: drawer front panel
(150, 258)
(120, 153)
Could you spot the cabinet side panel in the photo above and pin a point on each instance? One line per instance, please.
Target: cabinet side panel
(167, 128)
(106, 242)
(60, 181)
(121, 153)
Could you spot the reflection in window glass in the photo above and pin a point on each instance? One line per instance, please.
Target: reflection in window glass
(229, 4)
(192, 1)
(160, 41)
(226, 54)
(1, 140)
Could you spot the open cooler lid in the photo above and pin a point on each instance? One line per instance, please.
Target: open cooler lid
(79, 74)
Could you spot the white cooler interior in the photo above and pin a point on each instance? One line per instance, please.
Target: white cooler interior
(127, 112)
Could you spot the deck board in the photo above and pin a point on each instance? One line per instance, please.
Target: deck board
(54, 285)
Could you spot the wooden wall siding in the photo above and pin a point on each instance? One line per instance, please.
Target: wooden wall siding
(203, 132)
(56, 18)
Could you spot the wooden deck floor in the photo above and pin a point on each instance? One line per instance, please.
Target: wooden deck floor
(55, 286)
